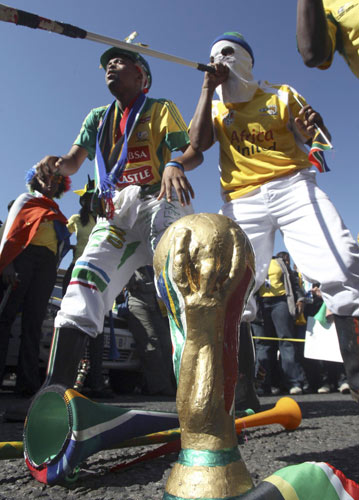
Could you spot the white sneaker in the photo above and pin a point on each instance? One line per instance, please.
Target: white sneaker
(275, 391)
(295, 391)
(344, 388)
(325, 389)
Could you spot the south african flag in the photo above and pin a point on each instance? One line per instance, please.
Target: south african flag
(316, 153)
(306, 481)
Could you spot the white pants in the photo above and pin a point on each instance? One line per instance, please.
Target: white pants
(115, 249)
(314, 234)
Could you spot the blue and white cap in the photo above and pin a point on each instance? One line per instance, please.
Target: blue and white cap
(235, 37)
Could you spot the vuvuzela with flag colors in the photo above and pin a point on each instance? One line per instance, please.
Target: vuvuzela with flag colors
(63, 428)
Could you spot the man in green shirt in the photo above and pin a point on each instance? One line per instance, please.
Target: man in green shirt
(141, 192)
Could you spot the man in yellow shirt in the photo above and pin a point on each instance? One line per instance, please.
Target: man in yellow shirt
(268, 183)
(327, 26)
(278, 298)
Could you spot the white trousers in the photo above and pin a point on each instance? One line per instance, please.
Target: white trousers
(314, 234)
(115, 249)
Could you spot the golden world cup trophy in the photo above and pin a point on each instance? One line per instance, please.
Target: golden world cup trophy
(204, 267)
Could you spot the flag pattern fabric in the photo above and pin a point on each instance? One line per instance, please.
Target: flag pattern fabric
(25, 216)
(106, 181)
(306, 481)
(316, 153)
(89, 431)
(174, 302)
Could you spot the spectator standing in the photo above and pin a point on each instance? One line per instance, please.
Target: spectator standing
(151, 332)
(34, 241)
(81, 224)
(279, 298)
(329, 376)
(309, 367)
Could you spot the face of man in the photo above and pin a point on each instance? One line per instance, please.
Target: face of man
(122, 75)
(52, 186)
(286, 259)
(240, 85)
(227, 50)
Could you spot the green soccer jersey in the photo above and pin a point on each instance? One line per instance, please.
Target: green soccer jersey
(160, 129)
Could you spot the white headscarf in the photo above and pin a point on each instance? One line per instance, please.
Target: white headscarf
(240, 85)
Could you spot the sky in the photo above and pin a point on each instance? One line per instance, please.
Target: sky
(50, 82)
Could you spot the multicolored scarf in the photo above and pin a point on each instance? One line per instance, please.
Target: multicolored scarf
(107, 176)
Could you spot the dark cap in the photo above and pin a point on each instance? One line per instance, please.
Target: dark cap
(134, 56)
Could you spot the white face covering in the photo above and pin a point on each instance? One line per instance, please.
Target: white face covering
(240, 86)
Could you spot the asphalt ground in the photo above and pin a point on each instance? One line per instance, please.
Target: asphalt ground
(328, 432)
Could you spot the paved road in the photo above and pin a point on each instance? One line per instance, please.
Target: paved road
(328, 432)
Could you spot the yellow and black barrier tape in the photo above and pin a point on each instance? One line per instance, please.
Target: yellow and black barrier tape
(278, 339)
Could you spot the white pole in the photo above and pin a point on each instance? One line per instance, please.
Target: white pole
(22, 18)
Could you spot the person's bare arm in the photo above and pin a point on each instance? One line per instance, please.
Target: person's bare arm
(68, 164)
(308, 119)
(312, 33)
(201, 133)
(190, 159)
(174, 177)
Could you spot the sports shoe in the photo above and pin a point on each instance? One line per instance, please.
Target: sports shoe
(275, 391)
(295, 391)
(325, 389)
(344, 388)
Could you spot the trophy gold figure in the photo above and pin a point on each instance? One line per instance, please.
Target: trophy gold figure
(204, 267)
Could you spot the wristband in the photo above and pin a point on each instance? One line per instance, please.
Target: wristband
(175, 164)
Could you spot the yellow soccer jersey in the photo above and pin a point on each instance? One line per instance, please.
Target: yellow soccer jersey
(82, 232)
(259, 141)
(343, 24)
(46, 236)
(273, 285)
(159, 130)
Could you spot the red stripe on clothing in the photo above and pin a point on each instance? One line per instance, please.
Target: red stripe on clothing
(87, 285)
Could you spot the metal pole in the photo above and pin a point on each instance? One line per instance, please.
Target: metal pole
(23, 18)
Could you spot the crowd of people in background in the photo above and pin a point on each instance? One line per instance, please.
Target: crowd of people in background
(285, 301)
